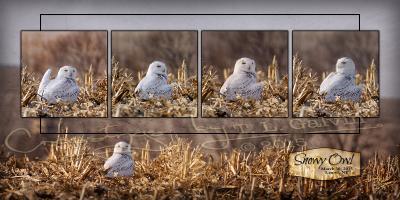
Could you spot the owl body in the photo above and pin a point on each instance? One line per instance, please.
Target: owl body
(63, 87)
(341, 83)
(121, 162)
(242, 82)
(154, 85)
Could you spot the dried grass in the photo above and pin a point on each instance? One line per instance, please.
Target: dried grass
(92, 100)
(125, 104)
(308, 103)
(273, 103)
(180, 171)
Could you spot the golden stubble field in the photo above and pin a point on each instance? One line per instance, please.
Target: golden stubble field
(182, 171)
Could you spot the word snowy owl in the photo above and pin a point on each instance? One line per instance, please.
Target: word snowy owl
(154, 85)
(242, 82)
(121, 162)
(341, 83)
(62, 88)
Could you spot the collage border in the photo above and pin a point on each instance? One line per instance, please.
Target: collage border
(109, 111)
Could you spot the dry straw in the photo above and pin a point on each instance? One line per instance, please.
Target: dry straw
(180, 171)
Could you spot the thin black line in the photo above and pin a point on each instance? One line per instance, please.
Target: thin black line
(198, 14)
(169, 14)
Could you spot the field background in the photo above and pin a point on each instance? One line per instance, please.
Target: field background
(320, 50)
(135, 50)
(221, 49)
(54, 49)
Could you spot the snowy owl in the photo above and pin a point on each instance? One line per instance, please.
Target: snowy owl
(341, 83)
(63, 87)
(121, 162)
(154, 84)
(242, 82)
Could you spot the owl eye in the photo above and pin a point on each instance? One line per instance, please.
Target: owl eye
(243, 63)
(158, 66)
(65, 70)
(343, 62)
(73, 70)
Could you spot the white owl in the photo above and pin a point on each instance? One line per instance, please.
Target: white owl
(121, 162)
(63, 87)
(341, 83)
(154, 85)
(242, 82)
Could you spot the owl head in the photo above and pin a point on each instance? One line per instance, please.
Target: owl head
(345, 66)
(67, 72)
(245, 65)
(157, 67)
(122, 148)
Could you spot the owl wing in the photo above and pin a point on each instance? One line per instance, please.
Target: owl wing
(44, 82)
(328, 82)
(150, 84)
(165, 91)
(139, 86)
(336, 84)
(63, 89)
(226, 85)
(118, 162)
(236, 82)
(111, 161)
(73, 92)
(126, 163)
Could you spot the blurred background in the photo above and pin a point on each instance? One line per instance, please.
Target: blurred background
(321, 49)
(137, 49)
(221, 49)
(41, 50)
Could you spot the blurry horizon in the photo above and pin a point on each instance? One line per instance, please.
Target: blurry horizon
(41, 50)
(135, 50)
(320, 50)
(221, 49)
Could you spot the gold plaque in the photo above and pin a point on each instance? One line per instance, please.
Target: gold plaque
(324, 164)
